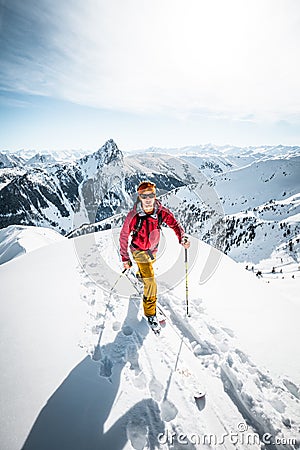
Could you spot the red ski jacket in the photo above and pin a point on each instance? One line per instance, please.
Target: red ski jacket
(147, 238)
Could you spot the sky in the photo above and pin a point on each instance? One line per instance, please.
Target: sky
(162, 73)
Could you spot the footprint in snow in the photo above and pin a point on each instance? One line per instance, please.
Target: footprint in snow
(89, 284)
(228, 331)
(168, 411)
(156, 389)
(137, 434)
(133, 357)
(92, 265)
(96, 329)
(105, 367)
(116, 326)
(242, 356)
(140, 381)
(224, 346)
(203, 348)
(278, 405)
(292, 388)
(217, 334)
(212, 329)
(127, 330)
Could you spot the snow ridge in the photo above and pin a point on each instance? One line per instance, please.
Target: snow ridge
(17, 240)
(140, 391)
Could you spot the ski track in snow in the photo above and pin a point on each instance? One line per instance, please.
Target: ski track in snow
(154, 366)
(243, 381)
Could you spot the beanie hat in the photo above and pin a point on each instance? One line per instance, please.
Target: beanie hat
(146, 186)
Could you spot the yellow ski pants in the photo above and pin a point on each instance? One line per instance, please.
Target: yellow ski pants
(145, 265)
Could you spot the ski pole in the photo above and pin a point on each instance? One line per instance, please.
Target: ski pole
(117, 280)
(97, 352)
(186, 277)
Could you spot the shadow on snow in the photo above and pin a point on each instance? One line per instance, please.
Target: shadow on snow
(74, 416)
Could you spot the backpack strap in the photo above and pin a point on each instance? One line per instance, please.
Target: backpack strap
(138, 225)
(140, 220)
(160, 220)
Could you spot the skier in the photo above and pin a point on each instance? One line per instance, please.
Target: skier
(143, 223)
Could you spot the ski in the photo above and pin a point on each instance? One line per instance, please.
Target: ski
(155, 331)
(154, 324)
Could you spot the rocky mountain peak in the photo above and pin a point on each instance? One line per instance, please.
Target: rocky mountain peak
(8, 160)
(106, 154)
(41, 158)
(109, 151)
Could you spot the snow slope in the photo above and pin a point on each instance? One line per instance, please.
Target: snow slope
(258, 183)
(261, 203)
(139, 394)
(16, 240)
(264, 235)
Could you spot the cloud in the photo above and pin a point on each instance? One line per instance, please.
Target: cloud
(233, 58)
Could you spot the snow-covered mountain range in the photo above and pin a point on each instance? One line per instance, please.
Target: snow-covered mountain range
(59, 259)
(244, 201)
(63, 196)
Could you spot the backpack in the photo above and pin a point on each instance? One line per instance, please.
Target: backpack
(140, 220)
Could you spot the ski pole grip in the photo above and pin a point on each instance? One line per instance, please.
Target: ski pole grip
(185, 240)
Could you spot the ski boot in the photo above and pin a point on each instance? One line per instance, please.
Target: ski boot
(154, 324)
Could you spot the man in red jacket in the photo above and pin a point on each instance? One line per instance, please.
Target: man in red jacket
(143, 224)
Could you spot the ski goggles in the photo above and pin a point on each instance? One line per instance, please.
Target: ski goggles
(143, 196)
